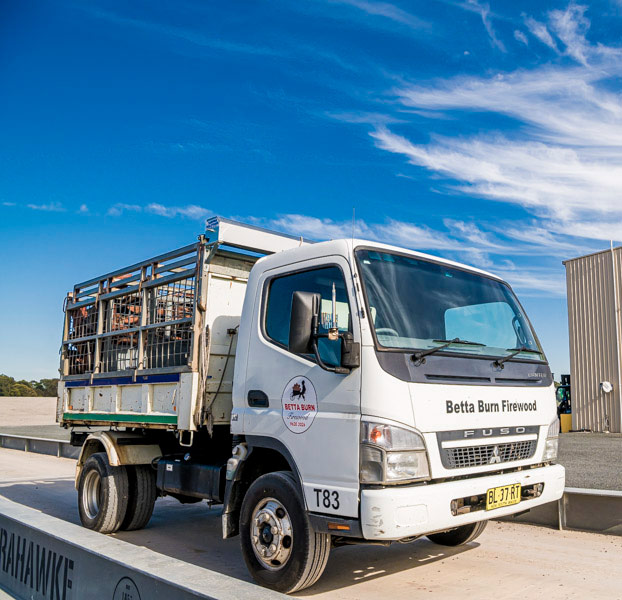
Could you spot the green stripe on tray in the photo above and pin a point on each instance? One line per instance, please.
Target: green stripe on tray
(117, 418)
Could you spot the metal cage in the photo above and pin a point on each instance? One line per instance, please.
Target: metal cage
(141, 318)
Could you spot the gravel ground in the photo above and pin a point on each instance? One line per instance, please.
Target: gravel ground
(592, 460)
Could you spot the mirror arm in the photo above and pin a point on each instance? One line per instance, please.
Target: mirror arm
(315, 335)
(321, 363)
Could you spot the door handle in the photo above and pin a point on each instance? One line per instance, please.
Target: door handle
(257, 399)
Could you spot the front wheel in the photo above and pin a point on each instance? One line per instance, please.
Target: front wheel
(280, 548)
(459, 535)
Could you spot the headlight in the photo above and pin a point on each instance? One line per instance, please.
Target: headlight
(391, 454)
(551, 445)
(553, 429)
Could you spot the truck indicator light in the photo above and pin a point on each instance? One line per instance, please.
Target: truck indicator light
(339, 526)
(376, 435)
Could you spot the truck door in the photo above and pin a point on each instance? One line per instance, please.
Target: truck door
(315, 413)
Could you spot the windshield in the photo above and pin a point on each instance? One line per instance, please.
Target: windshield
(418, 304)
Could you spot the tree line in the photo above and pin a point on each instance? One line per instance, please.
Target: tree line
(43, 387)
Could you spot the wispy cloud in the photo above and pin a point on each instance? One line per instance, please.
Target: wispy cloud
(316, 228)
(199, 41)
(50, 207)
(186, 146)
(83, 210)
(484, 12)
(460, 240)
(391, 231)
(557, 155)
(190, 211)
(372, 118)
(562, 159)
(596, 229)
(540, 31)
(118, 209)
(571, 25)
(8, 204)
(386, 10)
(555, 181)
(544, 236)
(534, 281)
(186, 35)
(521, 37)
(562, 105)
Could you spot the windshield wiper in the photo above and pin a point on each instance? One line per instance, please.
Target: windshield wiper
(419, 357)
(514, 351)
(459, 341)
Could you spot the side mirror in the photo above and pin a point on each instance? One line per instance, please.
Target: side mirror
(303, 321)
(350, 351)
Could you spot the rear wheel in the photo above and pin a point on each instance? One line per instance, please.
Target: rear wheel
(142, 496)
(459, 535)
(102, 494)
(280, 548)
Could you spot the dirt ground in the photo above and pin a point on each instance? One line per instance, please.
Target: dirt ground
(20, 412)
(510, 561)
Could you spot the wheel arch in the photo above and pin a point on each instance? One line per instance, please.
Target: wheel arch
(120, 447)
(263, 455)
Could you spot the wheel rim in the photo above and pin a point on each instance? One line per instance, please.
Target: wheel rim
(91, 494)
(271, 534)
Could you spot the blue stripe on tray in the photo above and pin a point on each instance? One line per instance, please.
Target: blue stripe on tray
(157, 378)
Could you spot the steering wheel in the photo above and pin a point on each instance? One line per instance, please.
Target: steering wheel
(387, 331)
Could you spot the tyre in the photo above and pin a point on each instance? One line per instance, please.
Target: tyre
(459, 535)
(102, 494)
(280, 548)
(142, 496)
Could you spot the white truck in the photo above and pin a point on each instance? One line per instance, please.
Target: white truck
(326, 393)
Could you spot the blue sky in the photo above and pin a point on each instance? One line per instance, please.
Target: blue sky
(486, 133)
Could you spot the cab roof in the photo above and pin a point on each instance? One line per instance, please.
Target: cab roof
(345, 248)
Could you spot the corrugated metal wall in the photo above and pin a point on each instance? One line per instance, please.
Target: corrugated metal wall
(594, 341)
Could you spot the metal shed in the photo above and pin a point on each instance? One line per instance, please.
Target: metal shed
(594, 288)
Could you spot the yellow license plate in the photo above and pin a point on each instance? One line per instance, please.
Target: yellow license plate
(504, 495)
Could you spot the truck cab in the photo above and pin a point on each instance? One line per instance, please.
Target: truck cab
(337, 392)
(451, 396)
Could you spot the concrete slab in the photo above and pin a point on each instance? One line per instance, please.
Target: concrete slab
(6, 596)
(42, 556)
(509, 561)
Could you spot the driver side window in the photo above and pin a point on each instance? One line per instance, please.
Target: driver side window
(321, 281)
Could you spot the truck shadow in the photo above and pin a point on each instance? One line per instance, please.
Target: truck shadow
(351, 565)
(192, 533)
(56, 496)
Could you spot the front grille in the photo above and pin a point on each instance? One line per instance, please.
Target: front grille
(476, 456)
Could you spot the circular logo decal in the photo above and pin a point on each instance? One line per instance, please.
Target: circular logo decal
(299, 404)
(126, 590)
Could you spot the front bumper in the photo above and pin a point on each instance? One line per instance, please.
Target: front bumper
(401, 512)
